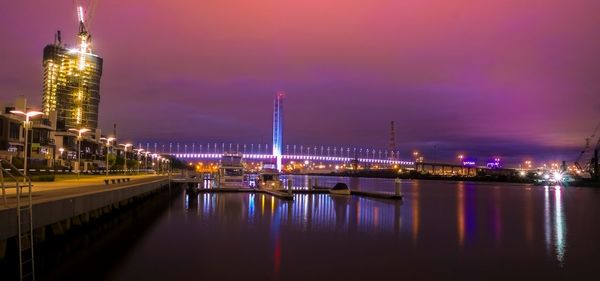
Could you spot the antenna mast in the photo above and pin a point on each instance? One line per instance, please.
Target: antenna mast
(393, 156)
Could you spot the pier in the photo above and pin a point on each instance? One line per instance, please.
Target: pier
(287, 193)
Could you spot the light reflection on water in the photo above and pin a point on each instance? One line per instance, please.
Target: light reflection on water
(322, 212)
(308, 212)
(457, 225)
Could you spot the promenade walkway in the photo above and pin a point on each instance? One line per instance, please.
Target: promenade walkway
(72, 187)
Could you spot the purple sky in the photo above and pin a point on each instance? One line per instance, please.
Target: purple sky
(507, 77)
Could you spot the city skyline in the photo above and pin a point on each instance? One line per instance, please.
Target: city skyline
(460, 77)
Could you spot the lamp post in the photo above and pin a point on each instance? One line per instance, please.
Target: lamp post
(108, 140)
(79, 134)
(158, 160)
(139, 159)
(146, 160)
(125, 146)
(154, 157)
(61, 150)
(26, 126)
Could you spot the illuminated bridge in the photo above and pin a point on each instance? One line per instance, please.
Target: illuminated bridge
(294, 157)
(325, 154)
(277, 155)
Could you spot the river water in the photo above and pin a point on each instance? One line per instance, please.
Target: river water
(439, 231)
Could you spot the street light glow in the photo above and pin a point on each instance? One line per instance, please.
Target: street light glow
(26, 125)
(27, 114)
(80, 131)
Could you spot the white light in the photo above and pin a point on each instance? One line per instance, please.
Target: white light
(557, 176)
(80, 13)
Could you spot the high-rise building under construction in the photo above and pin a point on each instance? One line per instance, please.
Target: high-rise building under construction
(72, 82)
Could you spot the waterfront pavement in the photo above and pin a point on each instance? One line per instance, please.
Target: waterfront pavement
(60, 189)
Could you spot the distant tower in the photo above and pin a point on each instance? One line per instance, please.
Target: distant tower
(71, 86)
(392, 141)
(278, 127)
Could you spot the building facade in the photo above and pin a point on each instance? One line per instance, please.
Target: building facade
(72, 84)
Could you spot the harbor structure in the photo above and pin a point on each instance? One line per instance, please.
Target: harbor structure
(278, 128)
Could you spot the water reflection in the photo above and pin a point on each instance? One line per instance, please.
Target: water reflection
(497, 216)
(469, 213)
(528, 221)
(554, 223)
(317, 212)
(460, 213)
(415, 213)
(559, 217)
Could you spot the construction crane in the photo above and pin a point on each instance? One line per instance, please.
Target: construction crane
(587, 161)
(84, 49)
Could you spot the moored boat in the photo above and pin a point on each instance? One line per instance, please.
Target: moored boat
(340, 188)
(268, 178)
(231, 171)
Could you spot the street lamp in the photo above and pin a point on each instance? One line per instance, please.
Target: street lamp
(108, 140)
(125, 146)
(158, 160)
(146, 160)
(26, 126)
(139, 159)
(154, 157)
(79, 134)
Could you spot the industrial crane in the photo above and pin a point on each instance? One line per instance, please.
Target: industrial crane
(587, 161)
(84, 17)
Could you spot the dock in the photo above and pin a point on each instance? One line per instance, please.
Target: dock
(290, 196)
(372, 194)
(380, 195)
(279, 194)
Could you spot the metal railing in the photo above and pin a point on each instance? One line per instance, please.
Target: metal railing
(24, 218)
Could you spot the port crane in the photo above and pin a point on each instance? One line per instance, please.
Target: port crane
(587, 161)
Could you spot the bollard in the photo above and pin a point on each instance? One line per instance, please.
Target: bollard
(289, 186)
(310, 186)
(397, 186)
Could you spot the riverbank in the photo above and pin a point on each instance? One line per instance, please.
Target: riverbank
(87, 228)
(57, 206)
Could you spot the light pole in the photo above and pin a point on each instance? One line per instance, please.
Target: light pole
(108, 140)
(139, 159)
(125, 146)
(79, 134)
(61, 150)
(154, 157)
(26, 126)
(158, 160)
(146, 160)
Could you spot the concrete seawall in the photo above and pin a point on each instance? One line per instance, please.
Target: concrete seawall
(61, 212)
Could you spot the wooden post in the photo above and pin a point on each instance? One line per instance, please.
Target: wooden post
(397, 186)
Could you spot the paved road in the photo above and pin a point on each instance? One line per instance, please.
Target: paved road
(47, 191)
